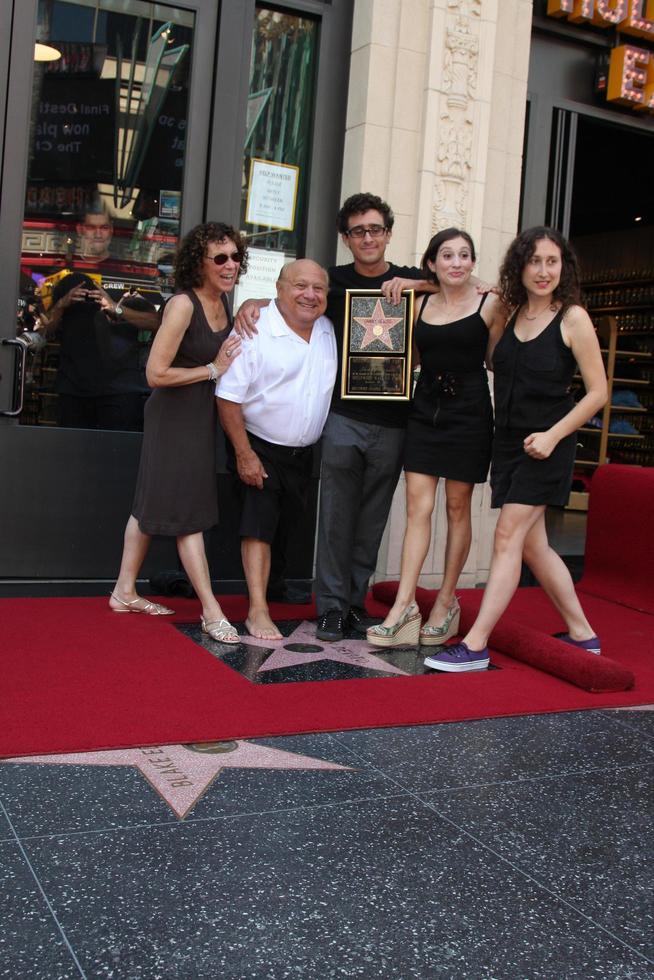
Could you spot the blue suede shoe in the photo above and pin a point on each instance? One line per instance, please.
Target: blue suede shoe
(457, 658)
(590, 646)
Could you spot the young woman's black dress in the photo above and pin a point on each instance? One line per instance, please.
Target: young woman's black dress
(533, 381)
(450, 429)
(176, 489)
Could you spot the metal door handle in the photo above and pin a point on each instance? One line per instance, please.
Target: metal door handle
(23, 343)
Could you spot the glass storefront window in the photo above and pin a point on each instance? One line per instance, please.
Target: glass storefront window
(103, 204)
(277, 145)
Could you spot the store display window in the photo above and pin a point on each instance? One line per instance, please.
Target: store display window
(103, 204)
(278, 144)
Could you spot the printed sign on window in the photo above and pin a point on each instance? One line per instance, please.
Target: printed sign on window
(272, 194)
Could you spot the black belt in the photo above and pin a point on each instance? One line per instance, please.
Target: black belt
(277, 447)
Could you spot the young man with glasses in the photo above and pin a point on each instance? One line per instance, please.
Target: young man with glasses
(363, 441)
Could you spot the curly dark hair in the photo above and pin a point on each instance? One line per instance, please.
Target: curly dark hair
(360, 203)
(439, 239)
(520, 251)
(193, 248)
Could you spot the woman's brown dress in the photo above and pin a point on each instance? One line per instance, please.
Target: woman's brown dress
(176, 488)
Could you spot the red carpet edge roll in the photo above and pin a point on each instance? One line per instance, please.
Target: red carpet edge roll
(585, 670)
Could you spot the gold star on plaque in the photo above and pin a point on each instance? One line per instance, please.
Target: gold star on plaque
(377, 327)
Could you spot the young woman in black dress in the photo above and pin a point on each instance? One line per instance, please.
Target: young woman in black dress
(449, 433)
(548, 338)
(176, 490)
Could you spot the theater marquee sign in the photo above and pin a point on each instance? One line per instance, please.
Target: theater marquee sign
(631, 67)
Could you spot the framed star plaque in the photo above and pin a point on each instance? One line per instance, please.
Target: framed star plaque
(377, 348)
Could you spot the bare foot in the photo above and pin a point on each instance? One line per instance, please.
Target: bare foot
(260, 624)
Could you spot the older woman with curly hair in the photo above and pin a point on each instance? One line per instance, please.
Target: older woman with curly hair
(548, 338)
(176, 491)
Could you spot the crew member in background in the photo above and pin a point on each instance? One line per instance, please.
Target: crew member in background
(98, 318)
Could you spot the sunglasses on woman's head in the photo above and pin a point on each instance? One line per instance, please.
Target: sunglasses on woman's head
(221, 258)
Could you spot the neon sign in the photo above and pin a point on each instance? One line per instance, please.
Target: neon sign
(630, 16)
(631, 69)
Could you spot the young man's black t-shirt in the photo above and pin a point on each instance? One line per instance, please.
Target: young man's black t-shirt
(341, 277)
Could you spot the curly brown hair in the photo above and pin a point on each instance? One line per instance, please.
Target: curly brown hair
(359, 204)
(520, 251)
(193, 248)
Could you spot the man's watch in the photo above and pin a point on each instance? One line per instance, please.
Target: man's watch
(118, 310)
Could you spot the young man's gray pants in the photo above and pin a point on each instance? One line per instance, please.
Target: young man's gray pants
(361, 464)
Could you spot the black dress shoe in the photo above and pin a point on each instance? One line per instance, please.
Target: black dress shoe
(359, 620)
(330, 626)
(288, 593)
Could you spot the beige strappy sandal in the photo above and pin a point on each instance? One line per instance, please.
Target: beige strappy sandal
(149, 609)
(433, 636)
(221, 630)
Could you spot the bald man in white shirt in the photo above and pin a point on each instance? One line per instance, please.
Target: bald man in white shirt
(273, 405)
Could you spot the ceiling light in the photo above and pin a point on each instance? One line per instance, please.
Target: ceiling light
(43, 52)
(638, 217)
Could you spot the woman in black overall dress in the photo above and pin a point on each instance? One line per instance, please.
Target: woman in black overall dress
(449, 433)
(548, 338)
(176, 489)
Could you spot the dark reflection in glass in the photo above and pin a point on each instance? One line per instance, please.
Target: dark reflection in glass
(102, 205)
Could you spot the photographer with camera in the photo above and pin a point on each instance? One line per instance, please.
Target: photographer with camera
(100, 378)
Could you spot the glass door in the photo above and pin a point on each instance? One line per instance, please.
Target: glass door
(103, 205)
(278, 144)
(107, 128)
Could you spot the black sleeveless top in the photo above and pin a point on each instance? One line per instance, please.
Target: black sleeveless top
(533, 378)
(458, 347)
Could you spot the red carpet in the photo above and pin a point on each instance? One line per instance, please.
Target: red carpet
(77, 677)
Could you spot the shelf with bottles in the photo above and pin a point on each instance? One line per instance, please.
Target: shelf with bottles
(637, 319)
(613, 435)
(611, 290)
(624, 430)
(630, 355)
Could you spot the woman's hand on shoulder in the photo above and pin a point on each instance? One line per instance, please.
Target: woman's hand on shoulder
(483, 287)
(245, 318)
(229, 351)
(393, 288)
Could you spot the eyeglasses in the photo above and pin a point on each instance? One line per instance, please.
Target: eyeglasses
(221, 258)
(359, 231)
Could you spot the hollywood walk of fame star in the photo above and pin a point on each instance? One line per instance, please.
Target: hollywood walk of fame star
(377, 327)
(356, 653)
(181, 774)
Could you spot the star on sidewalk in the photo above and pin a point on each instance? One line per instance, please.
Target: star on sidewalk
(182, 774)
(355, 653)
(377, 327)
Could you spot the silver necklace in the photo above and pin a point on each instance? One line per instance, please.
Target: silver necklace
(535, 317)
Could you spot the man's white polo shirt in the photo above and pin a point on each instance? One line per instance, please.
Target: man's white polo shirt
(283, 384)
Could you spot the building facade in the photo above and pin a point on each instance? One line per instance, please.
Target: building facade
(483, 114)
